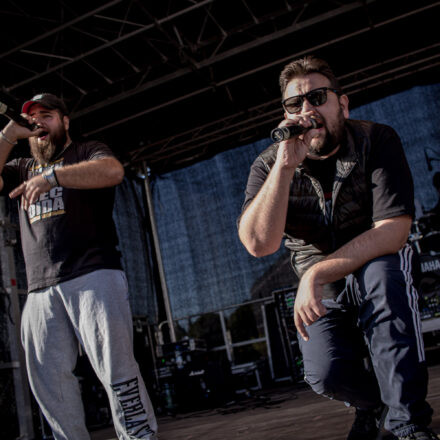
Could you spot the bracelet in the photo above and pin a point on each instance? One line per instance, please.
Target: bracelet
(55, 177)
(50, 176)
(6, 139)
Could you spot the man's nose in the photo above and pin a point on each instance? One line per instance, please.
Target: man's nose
(37, 120)
(306, 106)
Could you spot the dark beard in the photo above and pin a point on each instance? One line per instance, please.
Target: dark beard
(332, 140)
(43, 152)
(328, 146)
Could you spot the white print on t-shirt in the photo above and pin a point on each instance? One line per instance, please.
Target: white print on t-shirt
(50, 203)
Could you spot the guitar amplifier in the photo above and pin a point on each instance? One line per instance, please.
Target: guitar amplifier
(429, 286)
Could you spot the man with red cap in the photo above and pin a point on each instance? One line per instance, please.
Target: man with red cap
(77, 290)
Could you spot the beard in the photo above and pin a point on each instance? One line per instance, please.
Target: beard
(43, 150)
(332, 139)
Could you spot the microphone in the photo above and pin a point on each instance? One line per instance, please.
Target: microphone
(14, 115)
(283, 133)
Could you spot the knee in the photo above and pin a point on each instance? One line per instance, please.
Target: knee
(327, 379)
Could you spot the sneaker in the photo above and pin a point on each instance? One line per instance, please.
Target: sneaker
(367, 424)
(421, 435)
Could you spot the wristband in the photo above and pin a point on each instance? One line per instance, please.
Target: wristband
(6, 139)
(51, 177)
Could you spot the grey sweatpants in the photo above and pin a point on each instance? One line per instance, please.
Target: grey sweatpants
(94, 310)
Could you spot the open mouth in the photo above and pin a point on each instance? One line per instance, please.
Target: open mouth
(43, 135)
(317, 123)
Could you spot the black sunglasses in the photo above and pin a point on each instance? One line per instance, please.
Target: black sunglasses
(316, 97)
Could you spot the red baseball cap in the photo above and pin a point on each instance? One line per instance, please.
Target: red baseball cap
(47, 100)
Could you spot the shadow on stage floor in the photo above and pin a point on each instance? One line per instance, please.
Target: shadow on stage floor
(288, 413)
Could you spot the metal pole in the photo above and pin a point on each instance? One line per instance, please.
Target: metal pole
(18, 363)
(266, 335)
(226, 337)
(163, 283)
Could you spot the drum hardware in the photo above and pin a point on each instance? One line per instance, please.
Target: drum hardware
(430, 265)
(424, 235)
(429, 305)
(175, 350)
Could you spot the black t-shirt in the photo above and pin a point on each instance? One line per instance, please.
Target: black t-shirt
(391, 181)
(67, 232)
(324, 172)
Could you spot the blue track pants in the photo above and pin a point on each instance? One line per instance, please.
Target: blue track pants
(375, 319)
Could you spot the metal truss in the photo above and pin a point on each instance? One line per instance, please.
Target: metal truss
(123, 65)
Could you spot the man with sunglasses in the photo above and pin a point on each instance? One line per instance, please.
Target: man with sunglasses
(341, 194)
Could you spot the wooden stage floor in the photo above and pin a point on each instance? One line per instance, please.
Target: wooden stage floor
(289, 413)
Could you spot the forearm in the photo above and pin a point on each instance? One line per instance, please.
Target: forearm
(262, 224)
(11, 133)
(386, 237)
(7, 142)
(4, 153)
(5, 150)
(99, 173)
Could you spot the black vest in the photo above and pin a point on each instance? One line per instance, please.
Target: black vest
(308, 235)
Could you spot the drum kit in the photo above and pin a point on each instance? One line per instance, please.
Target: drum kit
(425, 239)
(425, 234)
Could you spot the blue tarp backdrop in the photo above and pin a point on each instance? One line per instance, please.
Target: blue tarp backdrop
(137, 261)
(196, 208)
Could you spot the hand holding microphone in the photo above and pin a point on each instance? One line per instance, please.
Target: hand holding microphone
(291, 154)
(20, 121)
(283, 133)
(14, 115)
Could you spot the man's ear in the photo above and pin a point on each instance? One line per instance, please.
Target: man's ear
(66, 122)
(343, 101)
